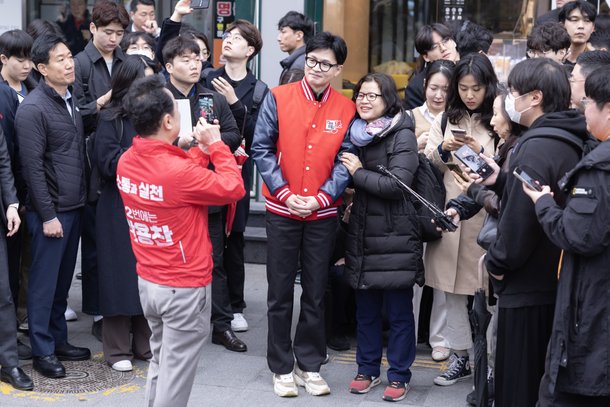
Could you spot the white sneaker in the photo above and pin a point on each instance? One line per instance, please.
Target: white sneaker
(123, 366)
(312, 381)
(239, 323)
(284, 386)
(70, 314)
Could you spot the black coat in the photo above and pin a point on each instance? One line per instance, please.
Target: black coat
(579, 350)
(52, 152)
(414, 93)
(8, 193)
(384, 248)
(522, 252)
(116, 263)
(90, 85)
(245, 116)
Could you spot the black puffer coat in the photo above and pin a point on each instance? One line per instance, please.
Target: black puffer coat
(384, 249)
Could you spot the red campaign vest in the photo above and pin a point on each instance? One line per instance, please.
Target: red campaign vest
(310, 135)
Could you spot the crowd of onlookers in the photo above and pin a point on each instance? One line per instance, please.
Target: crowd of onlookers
(93, 151)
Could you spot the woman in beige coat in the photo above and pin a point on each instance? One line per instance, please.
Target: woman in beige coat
(451, 262)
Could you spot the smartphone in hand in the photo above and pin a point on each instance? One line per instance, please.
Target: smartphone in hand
(206, 107)
(526, 179)
(459, 134)
(472, 160)
(200, 3)
(453, 167)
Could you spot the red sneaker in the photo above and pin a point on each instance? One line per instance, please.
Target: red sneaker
(363, 384)
(396, 391)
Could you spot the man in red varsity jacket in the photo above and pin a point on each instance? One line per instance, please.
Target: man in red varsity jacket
(300, 133)
(166, 192)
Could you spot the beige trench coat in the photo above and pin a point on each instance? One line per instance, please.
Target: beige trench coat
(451, 262)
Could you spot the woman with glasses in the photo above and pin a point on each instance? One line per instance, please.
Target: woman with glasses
(451, 262)
(383, 248)
(436, 84)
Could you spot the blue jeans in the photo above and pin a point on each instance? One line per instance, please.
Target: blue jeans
(401, 344)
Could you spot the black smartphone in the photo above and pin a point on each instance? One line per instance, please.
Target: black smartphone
(206, 107)
(472, 160)
(453, 167)
(200, 3)
(459, 134)
(526, 179)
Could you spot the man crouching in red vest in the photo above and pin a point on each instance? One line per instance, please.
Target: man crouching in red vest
(166, 192)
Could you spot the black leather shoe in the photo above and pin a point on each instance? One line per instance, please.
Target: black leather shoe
(16, 378)
(24, 352)
(229, 341)
(96, 329)
(69, 352)
(49, 366)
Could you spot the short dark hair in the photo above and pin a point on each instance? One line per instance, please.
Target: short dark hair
(586, 9)
(591, 61)
(40, 27)
(106, 12)
(472, 39)
(549, 36)
(550, 78)
(326, 40)
(43, 46)
(178, 46)
(133, 37)
(483, 72)
(190, 32)
(146, 102)
(297, 22)
(600, 39)
(423, 39)
(16, 43)
(387, 88)
(134, 4)
(597, 86)
(439, 66)
(250, 34)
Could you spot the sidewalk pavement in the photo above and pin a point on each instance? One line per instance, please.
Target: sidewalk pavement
(224, 379)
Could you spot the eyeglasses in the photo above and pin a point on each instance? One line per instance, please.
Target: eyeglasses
(324, 66)
(442, 42)
(232, 37)
(562, 53)
(371, 97)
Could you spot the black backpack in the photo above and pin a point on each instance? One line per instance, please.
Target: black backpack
(428, 182)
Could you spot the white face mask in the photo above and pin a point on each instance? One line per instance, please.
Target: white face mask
(511, 110)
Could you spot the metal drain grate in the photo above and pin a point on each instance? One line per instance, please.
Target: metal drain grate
(81, 377)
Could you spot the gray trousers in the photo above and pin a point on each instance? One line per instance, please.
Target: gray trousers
(179, 319)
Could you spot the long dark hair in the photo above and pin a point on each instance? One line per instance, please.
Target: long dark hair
(387, 88)
(132, 68)
(483, 72)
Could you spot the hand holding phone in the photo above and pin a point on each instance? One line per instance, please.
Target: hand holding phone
(526, 179)
(206, 107)
(459, 134)
(472, 160)
(455, 168)
(200, 3)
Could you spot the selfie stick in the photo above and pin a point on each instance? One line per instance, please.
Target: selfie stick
(440, 219)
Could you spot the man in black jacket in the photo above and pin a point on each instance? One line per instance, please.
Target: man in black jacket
(522, 261)
(94, 68)
(50, 133)
(295, 30)
(241, 43)
(183, 63)
(9, 225)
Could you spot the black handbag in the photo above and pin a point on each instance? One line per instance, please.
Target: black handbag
(488, 231)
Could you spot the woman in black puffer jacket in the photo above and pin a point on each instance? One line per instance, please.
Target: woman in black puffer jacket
(384, 248)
